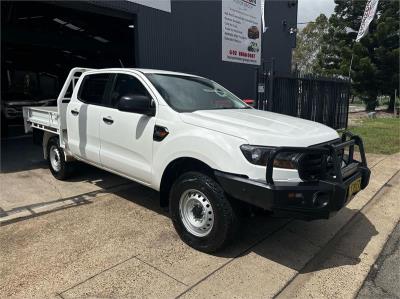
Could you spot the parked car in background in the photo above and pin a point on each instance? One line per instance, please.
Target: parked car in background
(25, 88)
(250, 102)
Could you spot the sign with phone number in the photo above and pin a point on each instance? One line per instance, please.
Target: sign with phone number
(241, 31)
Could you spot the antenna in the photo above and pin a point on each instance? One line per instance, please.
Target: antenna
(120, 62)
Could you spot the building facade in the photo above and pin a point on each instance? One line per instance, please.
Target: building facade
(53, 36)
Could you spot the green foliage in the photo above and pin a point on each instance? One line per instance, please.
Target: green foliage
(380, 135)
(397, 103)
(309, 42)
(375, 65)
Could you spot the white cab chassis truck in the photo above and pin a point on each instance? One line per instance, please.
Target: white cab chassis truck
(200, 146)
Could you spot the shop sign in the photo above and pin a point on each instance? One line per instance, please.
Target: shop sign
(241, 31)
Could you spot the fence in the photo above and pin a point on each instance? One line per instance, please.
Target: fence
(324, 100)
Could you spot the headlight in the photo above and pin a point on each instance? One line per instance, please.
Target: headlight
(259, 155)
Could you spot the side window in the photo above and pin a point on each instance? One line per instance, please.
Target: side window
(126, 85)
(92, 89)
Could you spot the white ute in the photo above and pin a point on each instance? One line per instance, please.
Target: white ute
(204, 149)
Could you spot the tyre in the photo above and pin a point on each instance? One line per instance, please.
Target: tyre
(201, 213)
(56, 160)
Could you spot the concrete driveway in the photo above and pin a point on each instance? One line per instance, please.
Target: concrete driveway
(99, 235)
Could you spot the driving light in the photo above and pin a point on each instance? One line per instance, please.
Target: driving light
(259, 155)
(256, 154)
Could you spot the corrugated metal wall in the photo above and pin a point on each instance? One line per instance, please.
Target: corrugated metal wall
(189, 40)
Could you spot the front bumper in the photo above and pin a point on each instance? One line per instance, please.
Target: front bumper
(317, 199)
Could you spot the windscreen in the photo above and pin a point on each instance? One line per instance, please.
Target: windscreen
(187, 94)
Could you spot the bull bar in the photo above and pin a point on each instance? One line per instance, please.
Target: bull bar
(308, 200)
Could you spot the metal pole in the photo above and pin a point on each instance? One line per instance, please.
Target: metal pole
(348, 104)
(257, 80)
(351, 64)
(260, 71)
(271, 85)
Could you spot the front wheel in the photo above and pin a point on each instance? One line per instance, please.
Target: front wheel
(202, 215)
(56, 160)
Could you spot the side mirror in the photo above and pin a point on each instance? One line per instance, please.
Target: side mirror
(136, 103)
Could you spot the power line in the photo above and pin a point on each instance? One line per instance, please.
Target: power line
(306, 22)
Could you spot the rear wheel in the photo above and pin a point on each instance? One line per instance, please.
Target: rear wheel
(56, 160)
(201, 213)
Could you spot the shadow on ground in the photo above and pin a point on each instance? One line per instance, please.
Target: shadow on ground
(20, 155)
(255, 234)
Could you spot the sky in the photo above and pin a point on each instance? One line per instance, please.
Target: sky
(308, 10)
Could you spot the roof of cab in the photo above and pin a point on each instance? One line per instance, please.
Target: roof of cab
(144, 71)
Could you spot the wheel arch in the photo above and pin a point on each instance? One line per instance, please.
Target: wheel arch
(175, 169)
(46, 137)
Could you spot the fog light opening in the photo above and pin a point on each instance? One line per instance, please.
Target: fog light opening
(320, 200)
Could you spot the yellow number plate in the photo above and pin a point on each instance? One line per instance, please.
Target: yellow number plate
(354, 188)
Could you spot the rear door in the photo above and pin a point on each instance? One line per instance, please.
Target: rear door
(83, 117)
(127, 137)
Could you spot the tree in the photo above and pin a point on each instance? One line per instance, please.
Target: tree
(375, 59)
(387, 53)
(309, 44)
(333, 49)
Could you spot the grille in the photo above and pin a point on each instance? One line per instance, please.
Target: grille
(310, 166)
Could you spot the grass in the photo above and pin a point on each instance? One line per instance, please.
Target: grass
(380, 135)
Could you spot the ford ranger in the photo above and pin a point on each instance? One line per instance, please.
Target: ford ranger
(201, 147)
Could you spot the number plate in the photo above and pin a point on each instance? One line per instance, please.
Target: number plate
(354, 188)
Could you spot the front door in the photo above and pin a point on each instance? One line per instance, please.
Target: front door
(126, 137)
(83, 117)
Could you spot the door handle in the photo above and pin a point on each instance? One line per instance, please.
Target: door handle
(75, 112)
(108, 120)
